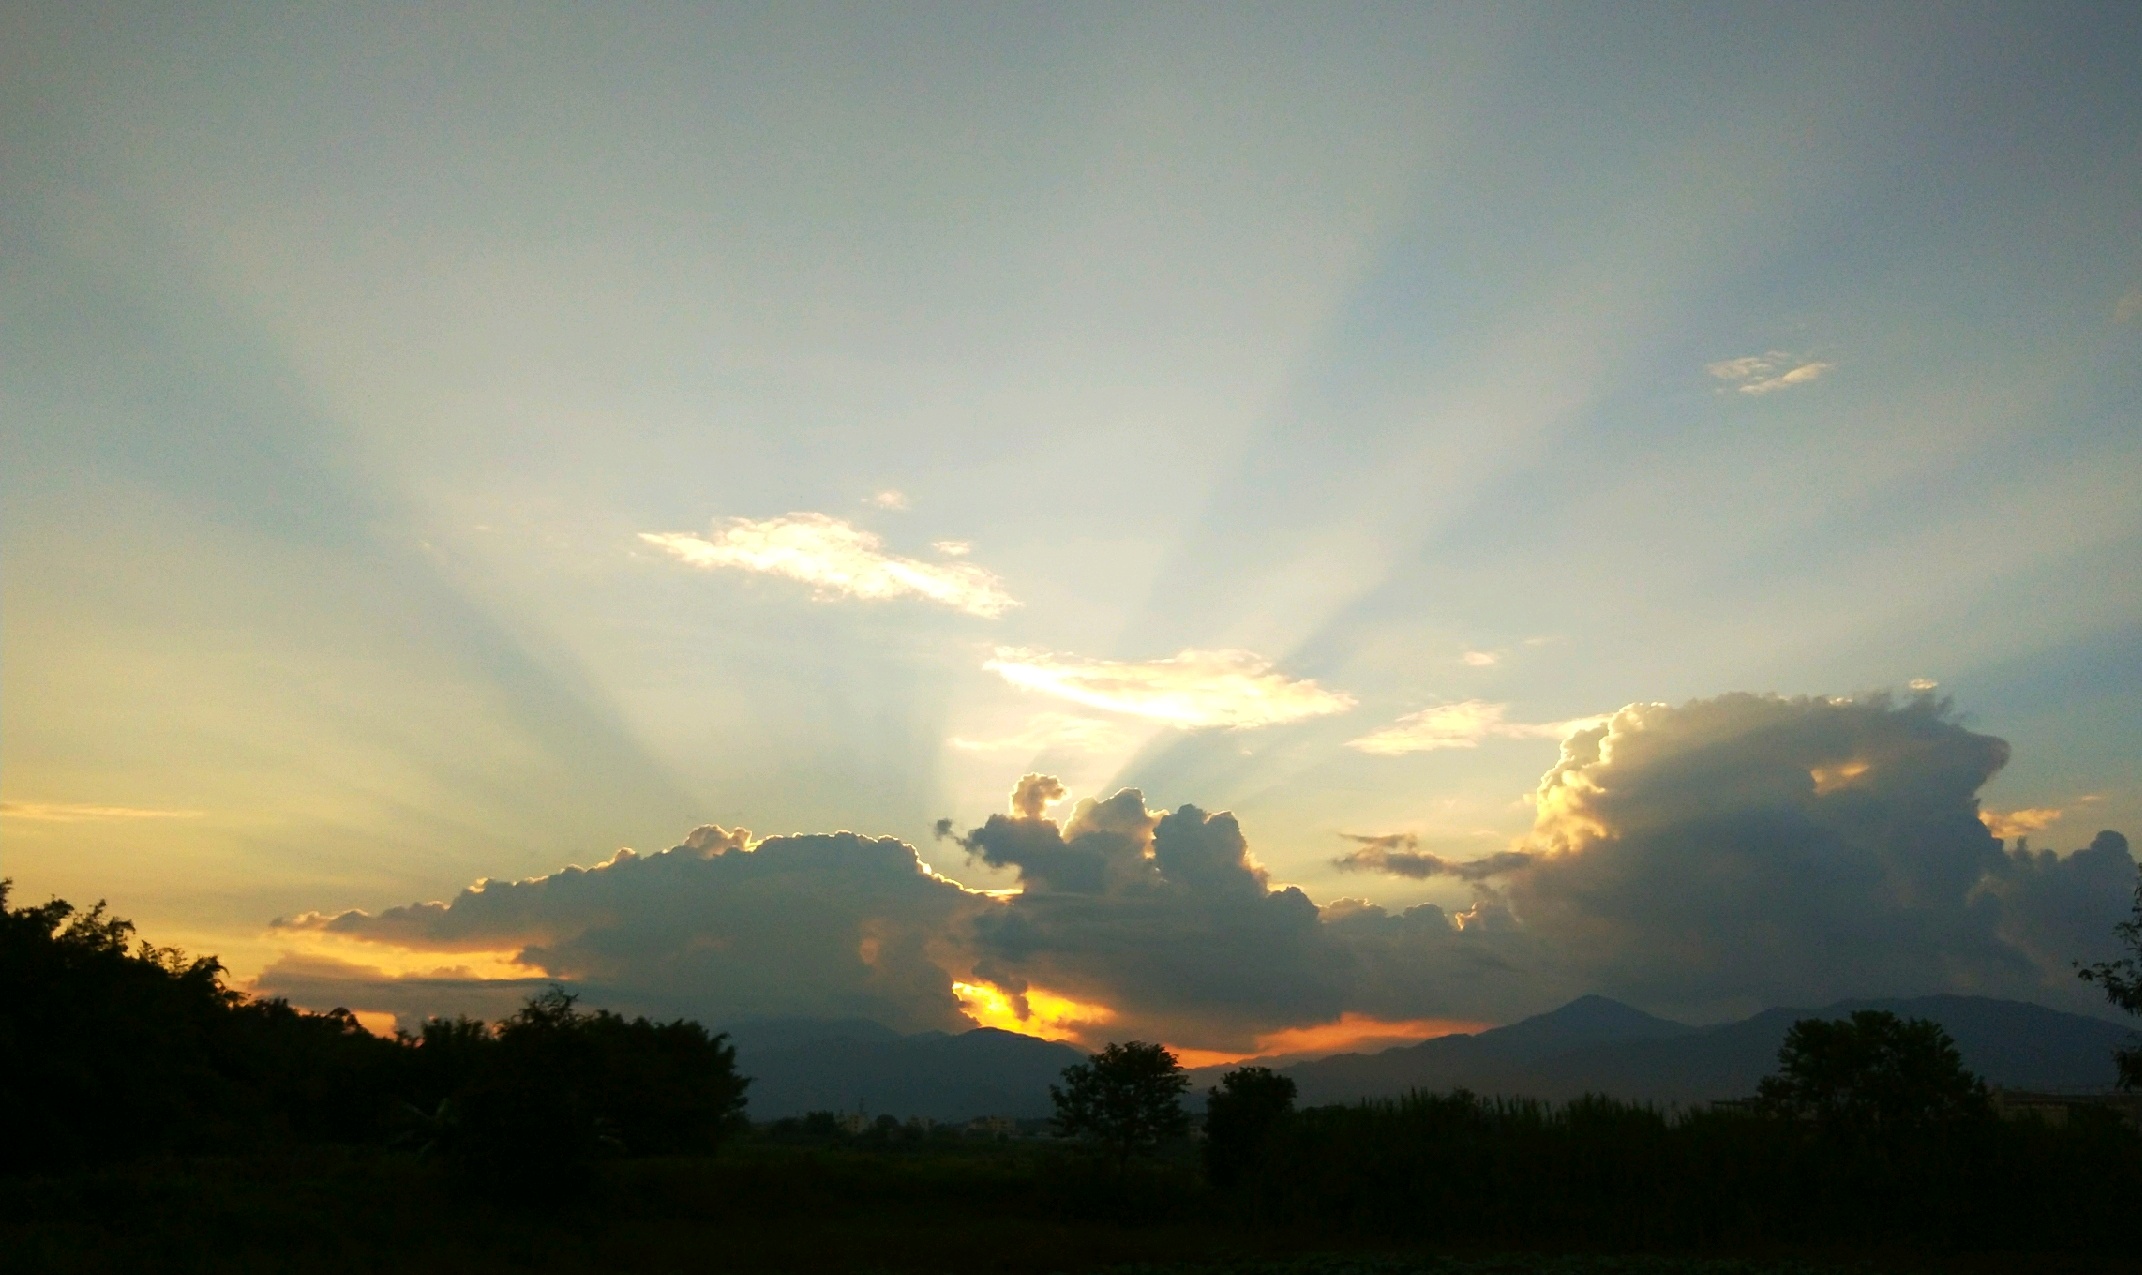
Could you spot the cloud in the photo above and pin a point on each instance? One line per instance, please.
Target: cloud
(889, 499)
(836, 558)
(824, 926)
(73, 812)
(1766, 373)
(1237, 689)
(1460, 725)
(1481, 659)
(1045, 731)
(1399, 854)
(1922, 684)
(2018, 823)
(1765, 850)
(952, 548)
(1701, 859)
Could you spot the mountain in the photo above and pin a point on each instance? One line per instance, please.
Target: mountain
(799, 1066)
(1596, 1045)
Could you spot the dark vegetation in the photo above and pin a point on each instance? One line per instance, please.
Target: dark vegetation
(157, 1120)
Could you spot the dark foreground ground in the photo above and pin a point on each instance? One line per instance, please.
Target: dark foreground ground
(756, 1208)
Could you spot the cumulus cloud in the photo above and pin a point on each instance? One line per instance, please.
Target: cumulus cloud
(1399, 854)
(837, 559)
(1706, 858)
(1762, 849)
(1460, 725)
(1766, 373)
(816, 926)
(1045, 731)
(1191, 689)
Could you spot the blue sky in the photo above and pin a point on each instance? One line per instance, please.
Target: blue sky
(1535, 360)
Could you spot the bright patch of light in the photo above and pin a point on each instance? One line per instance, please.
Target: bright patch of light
(1461, 725)
(1034, 1013)
(1237, 689)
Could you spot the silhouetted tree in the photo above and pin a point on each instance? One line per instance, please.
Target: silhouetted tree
(1241, 1113)
(1872, 1073)
(1125, 1098)
(2122, 984)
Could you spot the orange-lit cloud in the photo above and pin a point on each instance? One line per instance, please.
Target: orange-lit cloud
(1191, 689)
(1461, 725)
(838, 560)
(1352, 1033)
(2018, 823)
(1034, 1012)
(1844, 774)
(72, 812)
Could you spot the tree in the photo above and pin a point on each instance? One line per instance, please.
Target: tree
(2122, 984)
(1125, 1098)
(1241, 1114)
(1872, 1073)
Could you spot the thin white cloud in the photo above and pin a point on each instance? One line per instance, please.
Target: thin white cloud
(1238, 689)
(889, 499)
(1767, 373)
(1922, 683)
(837, 559)
(1044, 731)
(72, 812)
(1481, 659)
(952, 548)
(1460, 725)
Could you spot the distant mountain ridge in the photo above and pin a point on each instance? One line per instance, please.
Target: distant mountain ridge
(1597, 1045)
(1594, 1044)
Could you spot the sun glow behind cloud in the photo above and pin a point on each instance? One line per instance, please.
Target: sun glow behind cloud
(73, 812)
(1192, 689)
(1352, 1033)
(1033, 1013)
(838, 560)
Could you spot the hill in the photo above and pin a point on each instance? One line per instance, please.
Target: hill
(799, 1066)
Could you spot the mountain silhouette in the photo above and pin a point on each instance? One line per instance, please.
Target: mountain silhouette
(1598, 1045)
(799, 1066)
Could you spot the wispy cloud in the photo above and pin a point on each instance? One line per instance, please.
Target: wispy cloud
(1460, 725)
(1766, 373)
(837, 559)
(1481, 659)
(890, 498)
(1191, 689)
(72, 812)
(1922, 683)
(2018, 823)
(1399, 854)
(1044, 731)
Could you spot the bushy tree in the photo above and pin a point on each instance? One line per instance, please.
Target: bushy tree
(1872, 1073)
(1126, 1099)
(2122, 984)
(1241, 1113)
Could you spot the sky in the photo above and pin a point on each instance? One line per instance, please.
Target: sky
(1637, 499)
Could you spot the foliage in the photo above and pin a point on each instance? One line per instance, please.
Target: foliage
(2121, 981)
(1241, 1114)
(1125, 1098)
(109, 1052)
(1872, 1074)
(1460, 1169)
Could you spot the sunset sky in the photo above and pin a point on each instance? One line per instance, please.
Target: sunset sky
(451, 443)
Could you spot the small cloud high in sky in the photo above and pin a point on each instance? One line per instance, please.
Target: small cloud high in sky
(435, 460)
(838, 559)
